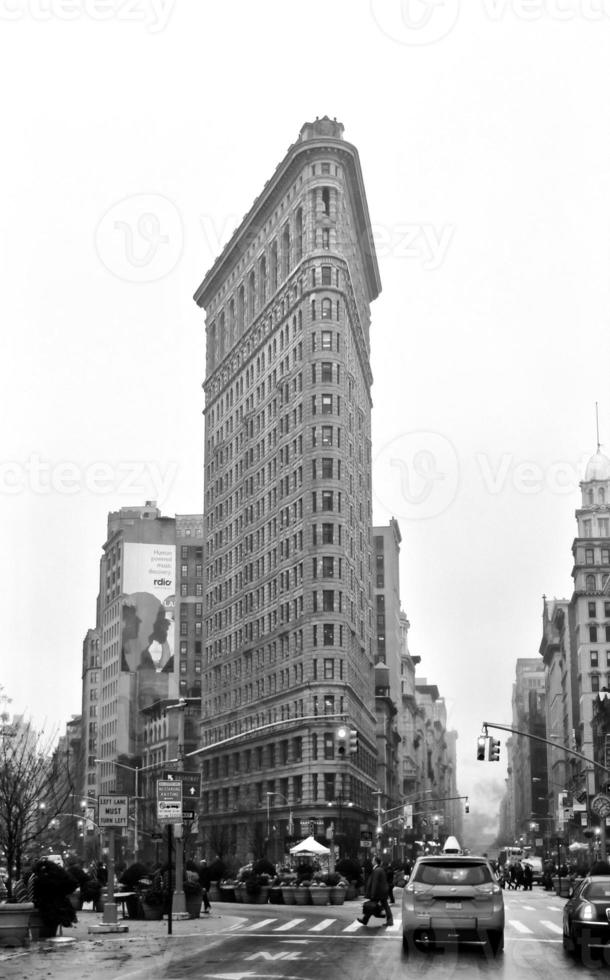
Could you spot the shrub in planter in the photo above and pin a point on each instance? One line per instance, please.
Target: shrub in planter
(52, 886)
(155, 898)
(193, 895)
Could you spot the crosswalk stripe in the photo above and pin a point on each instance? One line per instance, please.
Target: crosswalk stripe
(529, 908)
(289, 925)
(554, 908)
(324, 924)
(519, 926)
(552, 926)
(353, 927)
(260, 925)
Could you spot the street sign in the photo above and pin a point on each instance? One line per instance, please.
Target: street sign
(169, 801)
(600, 805)
(191, 782)
(113, 811)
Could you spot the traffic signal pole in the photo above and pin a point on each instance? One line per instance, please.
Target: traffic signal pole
(573, 752)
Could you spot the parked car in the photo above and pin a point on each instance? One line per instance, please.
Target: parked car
(452, 899)
(586, 916)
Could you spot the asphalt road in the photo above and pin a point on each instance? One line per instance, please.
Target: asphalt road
(294, 943)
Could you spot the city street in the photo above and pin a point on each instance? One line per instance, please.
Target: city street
(241, 941)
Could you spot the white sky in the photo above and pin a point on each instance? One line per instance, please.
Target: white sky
(484, 141)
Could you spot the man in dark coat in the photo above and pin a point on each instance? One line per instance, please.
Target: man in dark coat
(377, 891)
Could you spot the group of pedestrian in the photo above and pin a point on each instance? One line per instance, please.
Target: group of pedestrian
(517, 875)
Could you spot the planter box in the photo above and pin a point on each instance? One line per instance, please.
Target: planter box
(302, 896)
(288, 894)
(15, 923)
(152, 912)
(275, 896)
(193, 906)
(337, 895)
(227, 893)
(320, 894)
(562, 886)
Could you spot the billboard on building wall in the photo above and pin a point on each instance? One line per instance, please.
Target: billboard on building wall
(147, 626)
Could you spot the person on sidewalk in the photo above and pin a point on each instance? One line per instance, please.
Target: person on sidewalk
(377, 891)
(204, 879)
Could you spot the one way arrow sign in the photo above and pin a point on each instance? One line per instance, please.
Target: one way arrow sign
(191, 782)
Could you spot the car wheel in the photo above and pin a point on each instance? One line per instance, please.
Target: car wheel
(496, 941)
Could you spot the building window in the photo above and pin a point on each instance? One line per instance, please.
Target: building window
(327, 309)
(329, 746)
(328, 567)
(595, 683)
(327, 340)
(590, 583)
(327, 500)
(592, 634)
(329, 634)
(327, 534)
(326, 275)
(589, 556)
(605, 556)
(328, 600)
(327, 404)
(594, 659)
(592, 609)
(602, 523)
(329, 669)
(329, 787)
(326, 238)
(326, 372)
(586, 526)
(327, 435)
(329, 704)
(327, 468)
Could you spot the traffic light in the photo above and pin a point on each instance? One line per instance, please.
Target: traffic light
(494, 750)
(342, 735)
(353, 741)
(481, 743)
(466, 809)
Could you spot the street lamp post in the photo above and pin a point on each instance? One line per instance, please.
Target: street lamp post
(136, 770)
(178, 899)
(269, 795)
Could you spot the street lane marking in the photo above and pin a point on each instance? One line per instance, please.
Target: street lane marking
(529, 908)
(289, 925)
(259, 925)
(353, 927)
(324, 924)
(519, 926)
(552, 926)
(555, 908)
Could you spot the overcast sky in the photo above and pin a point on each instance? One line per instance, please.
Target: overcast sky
(136, 135)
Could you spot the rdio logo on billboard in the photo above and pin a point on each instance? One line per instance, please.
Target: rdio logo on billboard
(162, 581)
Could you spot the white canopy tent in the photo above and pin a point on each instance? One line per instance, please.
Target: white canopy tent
(310, 846)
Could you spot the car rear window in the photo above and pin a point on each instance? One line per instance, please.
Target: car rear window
(599, 890)
(452, 874)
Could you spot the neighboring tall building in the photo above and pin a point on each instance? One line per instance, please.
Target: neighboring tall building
(289, 630)
(528, 760)
(561, 695)
(136, 625)
(590, 603)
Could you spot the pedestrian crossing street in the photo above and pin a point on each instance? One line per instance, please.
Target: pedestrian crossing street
(544, 926)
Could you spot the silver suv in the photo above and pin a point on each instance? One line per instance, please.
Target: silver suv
(450, 899)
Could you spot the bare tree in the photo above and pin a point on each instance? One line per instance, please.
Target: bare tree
(35, 786)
